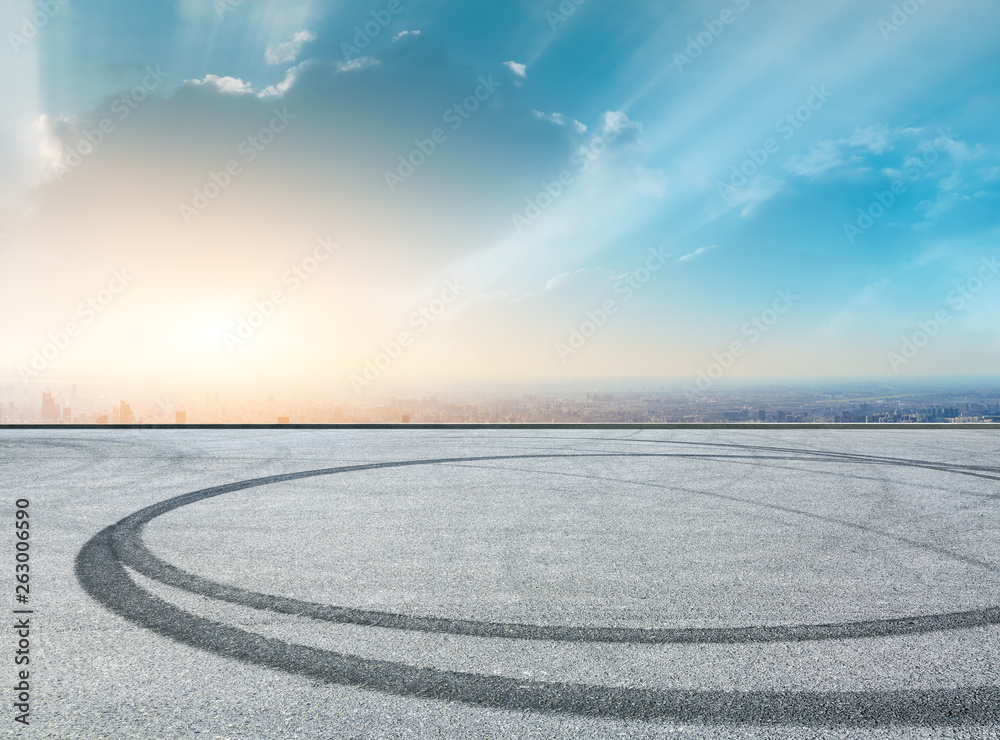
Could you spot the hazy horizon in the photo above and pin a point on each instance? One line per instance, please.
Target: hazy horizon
(650, 400)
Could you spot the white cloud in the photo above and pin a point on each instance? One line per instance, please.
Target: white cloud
(401, 34)
(823, 157)
(565, 277)
(520, 70)
(235, 86)
(357, 64)
(232, 85)
(276, 91)
(51, 132)
(288, 51)
(758, 190)
(616, 123)
(875, 139)
(832, 154)
(560, 120)
(936, 208)
(695, 253)
(958, 149)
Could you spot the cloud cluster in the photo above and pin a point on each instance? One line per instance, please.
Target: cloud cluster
(518, 69)
(847, 154)
(288, 51)
(230, 85)
(560, 120)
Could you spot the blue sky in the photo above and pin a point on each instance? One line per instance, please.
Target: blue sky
(647, 111)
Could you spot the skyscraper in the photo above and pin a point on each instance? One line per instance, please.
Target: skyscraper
(50, 409)
(125, 414)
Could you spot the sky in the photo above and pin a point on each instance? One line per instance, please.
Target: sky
(334, 196)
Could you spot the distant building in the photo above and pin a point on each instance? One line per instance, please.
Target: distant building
(50, 409)
(102, 419)
(123, 414)
(284, 420)
(762, 415)
(180, 417)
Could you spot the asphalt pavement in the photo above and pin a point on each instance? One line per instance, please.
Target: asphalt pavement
(528, 583)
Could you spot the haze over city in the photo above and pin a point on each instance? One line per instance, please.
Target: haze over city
(870, 401)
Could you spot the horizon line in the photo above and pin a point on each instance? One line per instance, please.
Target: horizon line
(527, 425)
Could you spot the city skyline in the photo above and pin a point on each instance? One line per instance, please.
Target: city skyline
(874, 401)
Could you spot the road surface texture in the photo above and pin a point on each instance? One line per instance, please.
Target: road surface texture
(520, 583)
